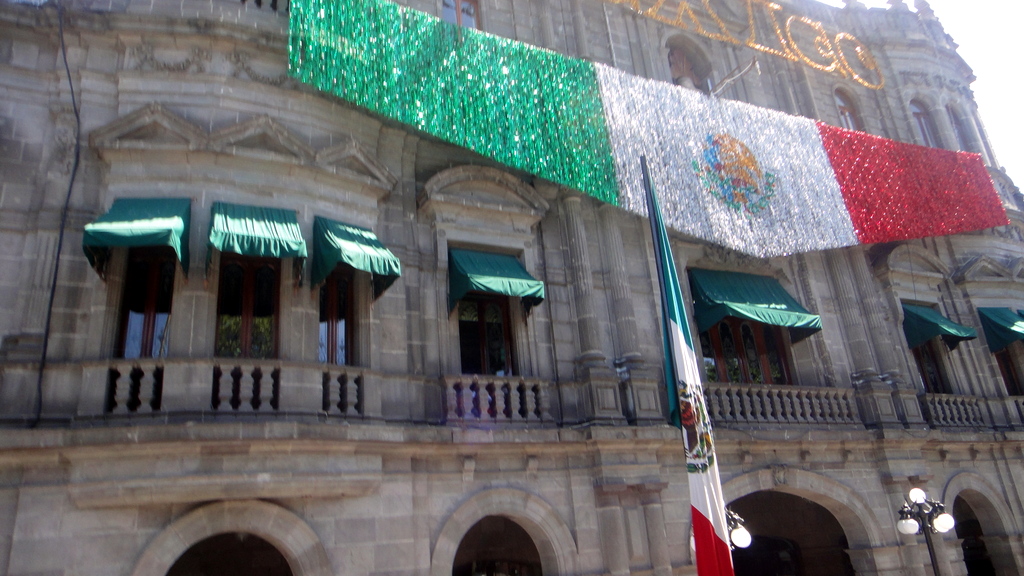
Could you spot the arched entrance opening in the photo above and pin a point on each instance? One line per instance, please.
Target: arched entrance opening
(792, 536)
(232, 554)
(972, 540)
(497, 546)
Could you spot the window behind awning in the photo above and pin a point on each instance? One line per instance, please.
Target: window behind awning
(718, 295)
(921, 324)
(138, 223)
(469, 270)
(335, 242)
(1002, 327)
(256, 231)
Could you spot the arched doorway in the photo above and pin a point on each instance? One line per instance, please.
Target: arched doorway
(969, 532)
(792, 537)
(497, 546)
(233, 554)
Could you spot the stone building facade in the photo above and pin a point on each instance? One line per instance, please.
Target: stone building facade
(347, 438)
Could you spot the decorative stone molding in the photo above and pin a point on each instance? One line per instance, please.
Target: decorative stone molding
(982, 268)
(549, 532)
(850, 508)
(149, 127)
(261, 135)
(240, 64)
(155, 128)
(351, 157)
(292, 537)
(939, 81)
(485, 196)
(986, 501)
(145, 59)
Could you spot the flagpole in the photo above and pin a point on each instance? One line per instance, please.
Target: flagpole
(687, 410)
(652, 213)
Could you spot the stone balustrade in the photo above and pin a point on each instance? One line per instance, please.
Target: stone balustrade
(496, 399)
(954, 411)
(786, 405)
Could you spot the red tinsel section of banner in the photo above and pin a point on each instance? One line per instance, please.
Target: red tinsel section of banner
(898, 191)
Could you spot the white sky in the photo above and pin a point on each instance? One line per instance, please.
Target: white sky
(990, 39)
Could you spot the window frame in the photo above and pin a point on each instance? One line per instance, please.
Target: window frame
(735, 325)
(250, 265)
(341, 275)
(849, 117)
(932, 350)
(155, 258)
(926, 128)
(1006, 362)
(482, 299)
(458, 13)
(695, 65)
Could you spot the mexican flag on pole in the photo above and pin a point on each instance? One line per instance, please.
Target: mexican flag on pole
(686, 407)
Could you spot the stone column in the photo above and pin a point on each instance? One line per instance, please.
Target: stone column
(628, 343)
(657, 539)
(884, 342)
(613, 530)
(582, 283)
(874, 395)
(601, 381)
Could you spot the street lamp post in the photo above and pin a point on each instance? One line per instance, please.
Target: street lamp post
(920, 515)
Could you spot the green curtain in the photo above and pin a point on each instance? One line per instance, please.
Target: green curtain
(469, 270)
(140, 222)
(335, 242)
(921, 324)
(720, 294)
(1002, 327)
(256, 231)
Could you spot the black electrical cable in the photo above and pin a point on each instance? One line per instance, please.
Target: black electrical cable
(63, 222)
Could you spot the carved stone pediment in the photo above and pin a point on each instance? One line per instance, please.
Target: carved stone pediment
(261, 136)
(150, 127)
(1016, 267)
(982, 268)
(913, 260)
(350, 159)
(484, 195)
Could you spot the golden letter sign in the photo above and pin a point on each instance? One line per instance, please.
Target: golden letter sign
(796, 38)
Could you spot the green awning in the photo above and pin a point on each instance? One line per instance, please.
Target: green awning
(719, 294)
(256, 231)
(140, 222)
(921, 324)
(335, 242)
(1002, 327)
(469, 270)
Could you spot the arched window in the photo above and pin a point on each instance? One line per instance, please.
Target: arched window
(848, 117)
(959, 129)
(925, 124)
(689, 66)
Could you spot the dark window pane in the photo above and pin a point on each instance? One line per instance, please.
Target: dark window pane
(146, 303)
(263, 303)
(774, 359)
(750, 352)
(730, 357)
(133, 334)
(335, 299)
(229, 298)
(710, 366)
(495, 334)
(469, 337)
(262, 338)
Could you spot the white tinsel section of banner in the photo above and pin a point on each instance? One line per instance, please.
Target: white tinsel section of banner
(771, 193)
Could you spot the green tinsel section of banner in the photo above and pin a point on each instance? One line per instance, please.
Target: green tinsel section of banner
(525, 107)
